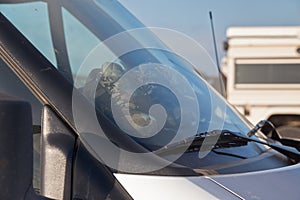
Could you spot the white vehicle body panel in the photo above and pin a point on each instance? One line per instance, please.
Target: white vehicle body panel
(163, 187)
(280, 183)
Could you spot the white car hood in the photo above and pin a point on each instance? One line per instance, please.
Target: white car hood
(281, 183)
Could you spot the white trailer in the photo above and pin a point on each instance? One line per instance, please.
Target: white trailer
(262, 70)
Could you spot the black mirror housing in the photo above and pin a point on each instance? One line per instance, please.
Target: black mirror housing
(16, 151)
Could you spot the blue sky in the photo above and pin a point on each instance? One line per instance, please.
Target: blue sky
(191, 16)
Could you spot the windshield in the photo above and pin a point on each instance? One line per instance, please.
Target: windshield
(136, 50)
(152, 93)
(96, 62)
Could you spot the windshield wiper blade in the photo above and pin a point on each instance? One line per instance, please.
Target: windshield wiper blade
(289, 151)
(275, 135)
(227, 139)
(214, 139)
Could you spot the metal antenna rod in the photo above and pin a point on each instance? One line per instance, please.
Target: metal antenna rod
(214, 40)
(216, 53)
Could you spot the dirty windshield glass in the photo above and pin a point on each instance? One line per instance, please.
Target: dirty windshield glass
(129, 57)
(140, 93)
(149, 91)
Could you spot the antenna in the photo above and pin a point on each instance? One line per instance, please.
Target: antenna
(223, 91)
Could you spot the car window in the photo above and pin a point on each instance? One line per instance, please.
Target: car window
(79, 49)
(74, 30)
(10, 84)
(31, 19)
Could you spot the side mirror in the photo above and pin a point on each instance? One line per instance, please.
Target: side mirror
(16, 150)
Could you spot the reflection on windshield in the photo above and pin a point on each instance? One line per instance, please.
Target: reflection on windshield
(113, 60)
(213, 111)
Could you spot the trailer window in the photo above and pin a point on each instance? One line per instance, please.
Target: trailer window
(267, 73)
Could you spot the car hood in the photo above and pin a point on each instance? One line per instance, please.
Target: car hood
(281, 183)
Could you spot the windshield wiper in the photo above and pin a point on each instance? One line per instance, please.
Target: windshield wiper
(275, 135)
(226, 139)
